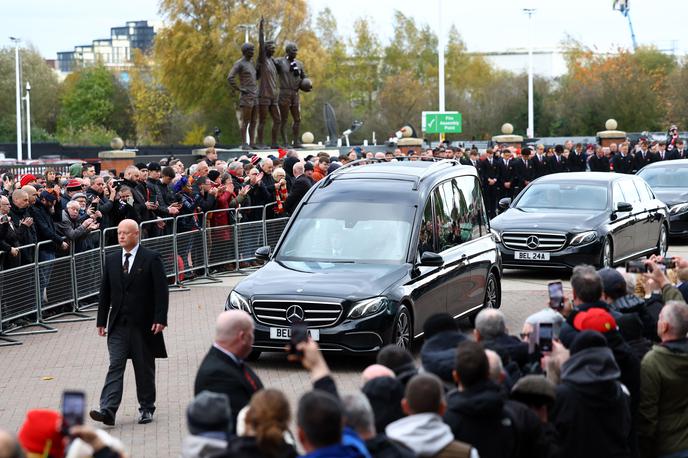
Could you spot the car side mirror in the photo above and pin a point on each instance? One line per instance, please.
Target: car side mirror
(263, 253)
(624, 207)
(431, 259)
(504, 203)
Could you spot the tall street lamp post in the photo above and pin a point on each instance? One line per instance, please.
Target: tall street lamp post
(531, 116)
(18, 96)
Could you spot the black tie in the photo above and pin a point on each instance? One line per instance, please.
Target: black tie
(125, 266)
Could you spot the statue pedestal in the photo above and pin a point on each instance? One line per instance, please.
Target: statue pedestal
(509, 140)
(202, 151)
(607, 137)
(116, 159)
(410, 144)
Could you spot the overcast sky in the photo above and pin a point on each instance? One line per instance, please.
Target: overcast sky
(485, 25)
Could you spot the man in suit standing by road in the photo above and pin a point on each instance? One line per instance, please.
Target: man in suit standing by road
(134, 293)
(223, 369)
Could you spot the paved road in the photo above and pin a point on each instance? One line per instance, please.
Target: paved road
(34, 375)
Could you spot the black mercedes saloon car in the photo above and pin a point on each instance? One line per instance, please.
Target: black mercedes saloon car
(669, 182)
(566, 219)
(370, 253)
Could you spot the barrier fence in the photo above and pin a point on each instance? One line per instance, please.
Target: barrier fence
(55, 287)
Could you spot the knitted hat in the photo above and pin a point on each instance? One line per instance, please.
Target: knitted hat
(308, 166)
(141, 166)
(76, 169)
(209, 412)
(47, 195)
(26, 179)
(213, 175)
(587, 339)
(594, 319)
(40, 433)
(73, 184)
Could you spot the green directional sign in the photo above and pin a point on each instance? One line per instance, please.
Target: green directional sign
(442, 122)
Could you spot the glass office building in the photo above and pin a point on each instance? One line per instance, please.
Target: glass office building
(115, 51)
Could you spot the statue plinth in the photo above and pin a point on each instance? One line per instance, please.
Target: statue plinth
(406, 144)
(607, 137)
(116, 159)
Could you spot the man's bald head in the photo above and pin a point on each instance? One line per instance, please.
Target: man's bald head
(20, 198)
(298, 169)
(128, 234)
(375, 371)
(229, 326)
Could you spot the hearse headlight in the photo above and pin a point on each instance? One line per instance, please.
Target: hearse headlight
(496, 235)
(679, 208)
(368, 307)
(238, 302)
(583, 238)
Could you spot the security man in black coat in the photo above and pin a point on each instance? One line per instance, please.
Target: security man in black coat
(643, 157)
(599, 162)
(491, 177)
(511, 175)
(132, 312)
(622, 162)
(527, 167)
(540, 162)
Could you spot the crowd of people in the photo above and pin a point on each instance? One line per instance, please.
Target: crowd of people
(612, 384)
(36, 207)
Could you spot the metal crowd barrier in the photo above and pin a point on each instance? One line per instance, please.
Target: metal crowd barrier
(55, 287)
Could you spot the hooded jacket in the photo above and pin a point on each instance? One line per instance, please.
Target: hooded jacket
(438, 353)
(646, 310)
(202, 447)
(385, 395)
(483, 417)
(425, 434)
(591, 405)
(662, 418)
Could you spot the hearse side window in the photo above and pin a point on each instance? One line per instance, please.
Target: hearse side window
(426, 237)
(473, 222)
(447, 226)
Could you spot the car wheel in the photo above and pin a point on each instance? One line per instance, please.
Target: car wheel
(607, 255)
(401, 334)
(662, 243)
(493, 293)
(254, 355)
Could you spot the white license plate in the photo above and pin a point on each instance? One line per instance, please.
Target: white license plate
(531, 256)
(285, 333)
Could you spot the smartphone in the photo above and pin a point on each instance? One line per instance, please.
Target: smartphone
(669, 263)
(73, 409)
(299, 333)
(556, 295)
(545, 334)
(636, 267)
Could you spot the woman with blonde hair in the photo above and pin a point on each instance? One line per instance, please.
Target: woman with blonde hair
(267, 426)
(280, 177)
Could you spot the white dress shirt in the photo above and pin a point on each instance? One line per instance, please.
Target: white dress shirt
(131, 258)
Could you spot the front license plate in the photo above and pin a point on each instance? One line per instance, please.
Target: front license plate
(285, 333)
(531, 256)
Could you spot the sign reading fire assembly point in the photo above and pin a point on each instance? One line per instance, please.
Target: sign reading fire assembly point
(441, 122)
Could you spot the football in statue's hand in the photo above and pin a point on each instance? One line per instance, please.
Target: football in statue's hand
(306, 85)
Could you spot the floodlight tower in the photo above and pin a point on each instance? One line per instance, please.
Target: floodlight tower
(623, 7)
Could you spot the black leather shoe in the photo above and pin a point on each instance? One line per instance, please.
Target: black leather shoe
(102, 417)
(145, 417)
